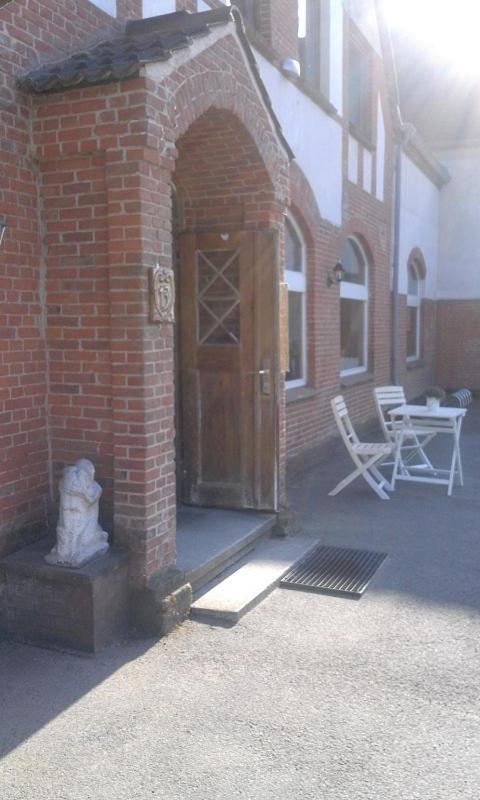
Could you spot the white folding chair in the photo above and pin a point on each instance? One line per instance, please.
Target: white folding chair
(387, 397)
(365, 455)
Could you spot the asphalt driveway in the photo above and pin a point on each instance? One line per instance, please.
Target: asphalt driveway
(308, 696)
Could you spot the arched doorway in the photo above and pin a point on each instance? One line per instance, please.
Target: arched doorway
(227, 278)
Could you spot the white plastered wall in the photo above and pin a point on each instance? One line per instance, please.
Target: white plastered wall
(419, 224)
(459, 257)
(315, 138)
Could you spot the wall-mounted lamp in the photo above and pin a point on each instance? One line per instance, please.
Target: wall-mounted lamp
(337, 274)
(3, 227)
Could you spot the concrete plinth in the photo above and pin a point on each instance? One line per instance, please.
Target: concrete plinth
(162, 605)
(81, 609)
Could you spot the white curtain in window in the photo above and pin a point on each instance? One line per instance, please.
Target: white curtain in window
(295, 278)
(353, 309)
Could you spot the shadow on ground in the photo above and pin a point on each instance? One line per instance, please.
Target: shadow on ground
(36, 684)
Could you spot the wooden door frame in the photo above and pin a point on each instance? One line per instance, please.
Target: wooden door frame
(266, 283)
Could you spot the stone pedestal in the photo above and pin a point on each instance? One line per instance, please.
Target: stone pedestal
(80, 609)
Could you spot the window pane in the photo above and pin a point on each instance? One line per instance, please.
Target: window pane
(413, 282)
(293, 249)
(359, 90)
(295, 334)
(352, 333)
(355, 80)
(352, 262)
(412, 322)
(309, 42)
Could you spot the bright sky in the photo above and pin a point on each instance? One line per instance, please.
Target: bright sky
(301, 17)
(449, 29)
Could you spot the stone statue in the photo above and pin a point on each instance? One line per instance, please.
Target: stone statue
(79, 536)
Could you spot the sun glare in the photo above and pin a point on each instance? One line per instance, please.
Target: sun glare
(449, 30)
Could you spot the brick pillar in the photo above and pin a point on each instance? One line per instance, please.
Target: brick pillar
(142, 364)
(139, 210)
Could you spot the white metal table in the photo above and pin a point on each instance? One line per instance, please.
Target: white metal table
(422, 420)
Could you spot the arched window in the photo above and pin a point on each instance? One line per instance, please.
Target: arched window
(414, 307)
(295, 278)
(353, 309)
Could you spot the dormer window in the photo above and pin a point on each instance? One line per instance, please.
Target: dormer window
(414, 307)
(360, 91)
(314, 44)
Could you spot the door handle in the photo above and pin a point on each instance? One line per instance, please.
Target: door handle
(265, 382)
(264, 372)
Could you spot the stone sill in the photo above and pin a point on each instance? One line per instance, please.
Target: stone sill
(299, 393)
(356, 380)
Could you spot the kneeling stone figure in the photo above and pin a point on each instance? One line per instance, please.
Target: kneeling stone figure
(79, 535)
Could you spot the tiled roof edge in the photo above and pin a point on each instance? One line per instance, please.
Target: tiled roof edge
(145, 41)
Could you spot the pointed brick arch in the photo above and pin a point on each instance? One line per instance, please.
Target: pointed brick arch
(220, 177)
(220, 78)
(416, 257)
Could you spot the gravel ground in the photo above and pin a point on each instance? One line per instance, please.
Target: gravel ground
(309, 696)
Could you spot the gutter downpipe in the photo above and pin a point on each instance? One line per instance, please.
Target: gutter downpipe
(401, 136)
(396, 260)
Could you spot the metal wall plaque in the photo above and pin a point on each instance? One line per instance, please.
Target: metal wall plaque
(162, 294)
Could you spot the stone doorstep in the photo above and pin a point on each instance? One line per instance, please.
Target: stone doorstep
(81, 609)
(210, 540)
(262, 571)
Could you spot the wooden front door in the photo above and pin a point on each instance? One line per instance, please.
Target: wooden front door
(228, 287)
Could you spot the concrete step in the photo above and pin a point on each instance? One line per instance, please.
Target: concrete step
(261, 571)
(211, 540)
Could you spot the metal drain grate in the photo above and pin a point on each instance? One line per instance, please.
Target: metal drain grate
(335, 570)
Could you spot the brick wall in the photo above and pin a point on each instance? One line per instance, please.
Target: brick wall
(106, 156)
(458, 343)
(106, 209)
(274, 28)
(417, 375)
(278, 24)
(309, 418)
(30, 33)
(220, 179)
(308, 410)
(74, 208)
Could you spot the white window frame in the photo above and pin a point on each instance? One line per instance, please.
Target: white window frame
(297, 282)
(415, 301)
(358, 291)
(321, 80)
